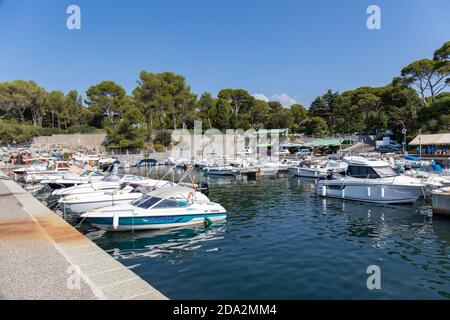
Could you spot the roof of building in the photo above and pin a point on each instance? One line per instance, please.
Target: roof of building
(431, 139)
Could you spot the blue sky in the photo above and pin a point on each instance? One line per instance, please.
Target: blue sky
(297, 48)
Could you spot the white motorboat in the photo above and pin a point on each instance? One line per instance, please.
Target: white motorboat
(34, 168)
(268, 170)
(80, 203)
(271, 168)
(319, 169)
(208, 162)
(178, 163)
(440, 200)
(429, 178)
(225, 170)
(111, 182)
(71, 179)
(371, 181)
(160, 209)
(54, 170)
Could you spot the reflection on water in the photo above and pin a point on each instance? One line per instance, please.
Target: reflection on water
(281, 241)
(157, 243)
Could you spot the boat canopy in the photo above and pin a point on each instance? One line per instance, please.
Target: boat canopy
(337, 166)
(173, 192)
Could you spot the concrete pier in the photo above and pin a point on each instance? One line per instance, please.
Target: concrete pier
(44, 257)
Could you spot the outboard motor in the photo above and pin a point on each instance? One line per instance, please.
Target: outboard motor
(203, 187)
(329, 174)
(106, 167)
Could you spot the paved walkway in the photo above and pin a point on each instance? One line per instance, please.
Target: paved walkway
(44, 257)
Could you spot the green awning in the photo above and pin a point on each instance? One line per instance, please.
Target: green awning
(325, 143)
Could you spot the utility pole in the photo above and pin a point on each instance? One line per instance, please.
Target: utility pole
(404, 137)
(420, 143)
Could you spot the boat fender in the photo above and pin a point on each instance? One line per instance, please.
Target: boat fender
(324, 191)
(115, 220)
(368, 191)
(382, 192)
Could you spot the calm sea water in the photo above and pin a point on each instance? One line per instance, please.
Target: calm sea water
(281, 241)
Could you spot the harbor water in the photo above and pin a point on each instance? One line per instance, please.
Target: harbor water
(281, 241)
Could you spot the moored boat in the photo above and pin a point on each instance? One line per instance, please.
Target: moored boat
(319, 169)
(160, 209)
(111, 182)
(371, 181)
(440, 200)
(225, 170)
(77, 204)
(71, 179)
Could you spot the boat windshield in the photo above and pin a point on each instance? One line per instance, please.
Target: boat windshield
(145, 202)
(370, 172)
(113, 178)
(385, 171)
(85, 173)
(166, 203)
(133, 178)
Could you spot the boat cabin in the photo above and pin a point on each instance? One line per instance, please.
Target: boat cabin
(359, 167)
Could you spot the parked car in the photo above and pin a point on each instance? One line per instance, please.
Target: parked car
(394, 144)
(282, 152)
(303, 153)
(388, 148)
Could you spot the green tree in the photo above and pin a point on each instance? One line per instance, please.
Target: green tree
(11, 131)
(74, 109)
(443, 53)
(56, 105)
(444, 123)
(239, 100)
(223, 116)
(279, 117)
(429, 76)
(350, 115)
(19, 98)
(259, 113)
(106, 99)
(163, 96)
(150, 97)
(206, 108)
(128, 132)
(376, 121)
(299, 116)
(327, 107)
(163, 137)
(180, 102)
(316, 126)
